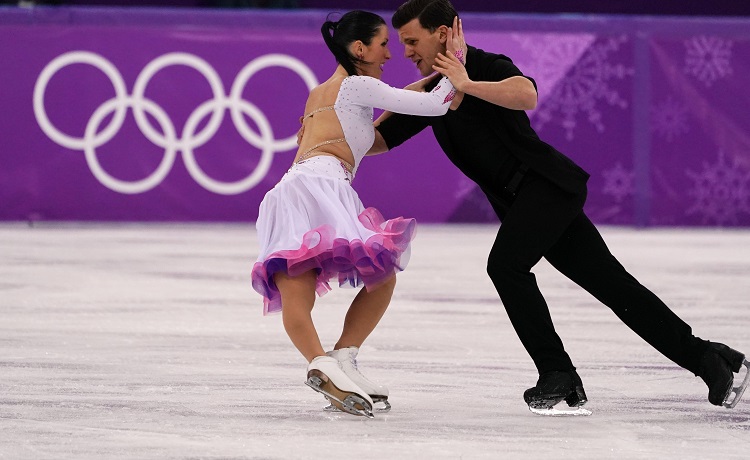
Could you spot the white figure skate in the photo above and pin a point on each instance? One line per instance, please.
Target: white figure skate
(325, 375)
(347, 357)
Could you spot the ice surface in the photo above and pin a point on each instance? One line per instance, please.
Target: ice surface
(147, 341)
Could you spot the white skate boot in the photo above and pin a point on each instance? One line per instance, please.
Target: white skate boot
(325, 375)
(347, 357)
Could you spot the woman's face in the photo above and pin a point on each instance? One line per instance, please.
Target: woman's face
(376, 54)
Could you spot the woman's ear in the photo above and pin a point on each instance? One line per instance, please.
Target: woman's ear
(357, 48)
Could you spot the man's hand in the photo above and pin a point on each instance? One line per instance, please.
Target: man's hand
(452, 68)
(515, 93)
(300, 133)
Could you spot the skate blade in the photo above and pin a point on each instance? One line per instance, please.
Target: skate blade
(739, 390)
(385, 407)
(345, 402)
(377, 408)
(564, 411)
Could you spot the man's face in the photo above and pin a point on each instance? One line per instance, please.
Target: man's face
(421, 45)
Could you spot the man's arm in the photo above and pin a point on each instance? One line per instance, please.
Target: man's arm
(516, 92)
(395, 130)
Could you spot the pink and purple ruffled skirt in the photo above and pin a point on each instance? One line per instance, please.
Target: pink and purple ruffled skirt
(314, 220)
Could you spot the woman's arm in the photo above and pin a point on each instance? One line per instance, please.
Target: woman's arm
(379, 146)
(456, 45)
(372, 92)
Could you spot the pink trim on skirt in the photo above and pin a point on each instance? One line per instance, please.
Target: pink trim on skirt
(354, 262)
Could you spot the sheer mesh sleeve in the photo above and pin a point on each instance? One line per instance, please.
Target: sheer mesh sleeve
(371, 92)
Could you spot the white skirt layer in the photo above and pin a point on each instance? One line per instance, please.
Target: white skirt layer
(314, 220)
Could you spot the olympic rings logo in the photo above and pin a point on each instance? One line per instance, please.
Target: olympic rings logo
(168, 139)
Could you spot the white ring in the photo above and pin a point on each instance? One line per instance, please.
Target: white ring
(167, 138)
(258, 173)
(78, 57)
(154, 178)
(139, 90)
(235, 95)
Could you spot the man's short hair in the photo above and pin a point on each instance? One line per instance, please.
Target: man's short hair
(431, 14)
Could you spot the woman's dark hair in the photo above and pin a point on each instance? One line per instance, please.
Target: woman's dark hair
(354, 25)
(431, 14)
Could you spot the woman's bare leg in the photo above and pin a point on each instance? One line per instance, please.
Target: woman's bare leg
(365, 313)
(297, 300)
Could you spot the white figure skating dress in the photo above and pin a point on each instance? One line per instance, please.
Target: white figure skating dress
(314, 220)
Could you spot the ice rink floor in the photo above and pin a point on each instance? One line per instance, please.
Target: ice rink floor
(147, 341)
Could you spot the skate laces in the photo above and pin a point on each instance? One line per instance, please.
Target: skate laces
(353, 361)
(352, 358)
(355, 365)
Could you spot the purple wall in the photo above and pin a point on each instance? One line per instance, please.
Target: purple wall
(155, 114)
(650, 7)
(642, 7)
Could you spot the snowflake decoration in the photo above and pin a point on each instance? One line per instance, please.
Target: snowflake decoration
(670, 119)
(549, 56)
(721, 192)
(708, 58)
(586, 84)
(618, 182)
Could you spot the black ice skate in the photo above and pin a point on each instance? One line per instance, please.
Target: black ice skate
(718, 366)
(554, 387)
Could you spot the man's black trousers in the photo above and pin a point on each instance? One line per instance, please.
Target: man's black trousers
(542, 220)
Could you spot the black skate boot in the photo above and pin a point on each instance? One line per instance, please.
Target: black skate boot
(554, 387)
(717, 368)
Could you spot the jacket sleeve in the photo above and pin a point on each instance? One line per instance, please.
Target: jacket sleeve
(399, 128)
(497, 67)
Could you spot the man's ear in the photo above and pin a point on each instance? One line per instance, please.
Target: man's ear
(442, 34)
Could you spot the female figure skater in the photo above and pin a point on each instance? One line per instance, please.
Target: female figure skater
(312, 226)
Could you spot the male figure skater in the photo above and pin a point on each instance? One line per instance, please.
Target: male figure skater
(538, 194)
